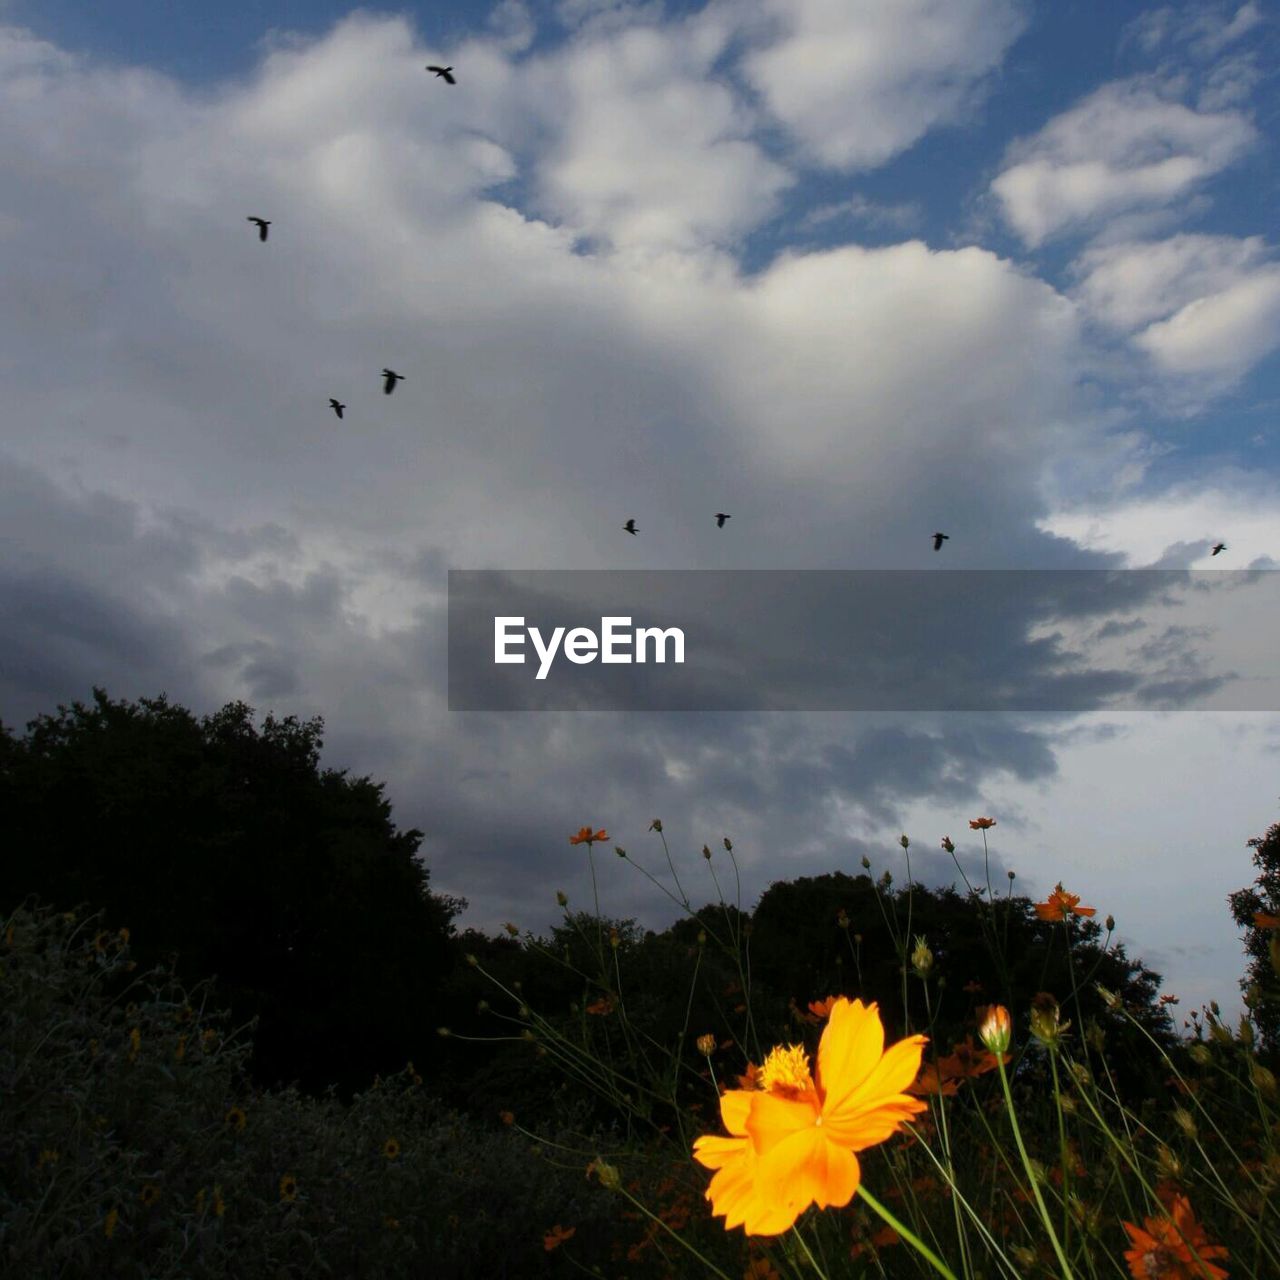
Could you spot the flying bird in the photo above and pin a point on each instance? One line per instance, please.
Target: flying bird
(263, 224)
(721, 517)
(939, 539)
(336, 407)
(630, 527)
(391, 378)
(443, 73)
(1221, 546)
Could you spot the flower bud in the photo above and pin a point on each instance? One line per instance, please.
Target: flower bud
(619, 850)
(1246, 1032)
(706, 1045)
(997, 1030)
(561, 898)
(608, 1175)
(1012, 876)
(866, 863)
(702, 937)
(1263, 1079)
(903, 841)
(511, 929)
(656, 825)
(443, 1032)
(1110, 922)
(1200, 1054)
(1185, 1121)
(614, 941)
(842, 919)
(482, 1006)
(948, 844)
(706, 852)
(921, 958)
(728, 844)
(471, 960)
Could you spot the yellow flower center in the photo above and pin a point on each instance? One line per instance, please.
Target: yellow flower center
(786, 1070)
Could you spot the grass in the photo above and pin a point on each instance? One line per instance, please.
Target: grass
(133, 1145)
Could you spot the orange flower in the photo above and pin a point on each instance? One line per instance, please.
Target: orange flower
(602, 1006)
(1163, 1250)
(966, 1061)
(792, 1141)
(981, 824)
(557, 1236)
(1060, 905)
(931, 1080)
(822, 1008)
(995, 1030)
(585, 836)
(1265, 920)
(751, 1080)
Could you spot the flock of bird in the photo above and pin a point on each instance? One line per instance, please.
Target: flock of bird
(391, 377)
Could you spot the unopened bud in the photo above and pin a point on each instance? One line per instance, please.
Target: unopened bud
(1011, 875)
(1185, 1121)
(608, 1175)
(1263, 1079)
(656, 825)
(706, 1045)
(471, 960)
(1246, 1032)
(614, 941)
(1200, 1054)
(948, 844)
(511, 929)
(706, 852)
(561, 898)
(443, 1032)
(728, 844)
(866, 863)
(922, 958)
(619, 850)
(527, 1035)
(1110, 922)
(903, 841)
(482, 1006)
(997, 1029)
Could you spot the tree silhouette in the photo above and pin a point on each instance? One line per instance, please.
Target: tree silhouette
(1261, 983)
(231, 848)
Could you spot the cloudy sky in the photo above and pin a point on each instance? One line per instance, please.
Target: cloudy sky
(850, 271)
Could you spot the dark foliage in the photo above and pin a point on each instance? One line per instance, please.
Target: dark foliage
(1261, 982)
(231, 849)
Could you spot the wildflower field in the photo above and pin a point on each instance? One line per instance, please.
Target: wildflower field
(676, 1117)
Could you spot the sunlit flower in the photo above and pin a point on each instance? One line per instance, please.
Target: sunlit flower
(391, 1148)
(1162, 1247)
(706, 1045)
(288, 1187)
(1061, 905)
(585, 836)
(557, 1236)
(792, 1141)
(981, 824)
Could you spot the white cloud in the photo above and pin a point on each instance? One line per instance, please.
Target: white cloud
(1125, 147)
(1127, 286)
(857, 81)
(647, 150)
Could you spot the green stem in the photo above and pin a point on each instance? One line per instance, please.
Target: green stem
(907, 1234)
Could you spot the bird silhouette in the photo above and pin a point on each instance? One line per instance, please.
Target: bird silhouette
(391, 378)
(263, 224)
(1221, 546)
(939, 539)
(443, 73)
(721, 517)
(337, 408)
(630, 527)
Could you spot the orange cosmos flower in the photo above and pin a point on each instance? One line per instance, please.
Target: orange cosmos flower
(792, 1140)
(822, 1008)
(585, 836)
(1060, 905)
(931, 1080)
(981, 824)
(1163, 1251)
(1265, 920)
(557, 1236)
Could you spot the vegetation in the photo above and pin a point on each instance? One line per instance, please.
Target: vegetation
(526, 1104)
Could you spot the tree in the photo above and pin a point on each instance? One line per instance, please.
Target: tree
(1261, 982)
(230, 847)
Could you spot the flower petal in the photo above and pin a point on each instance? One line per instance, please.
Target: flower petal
(775, 1118)
(851, 1046)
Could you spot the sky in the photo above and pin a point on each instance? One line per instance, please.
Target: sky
(850, 271)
